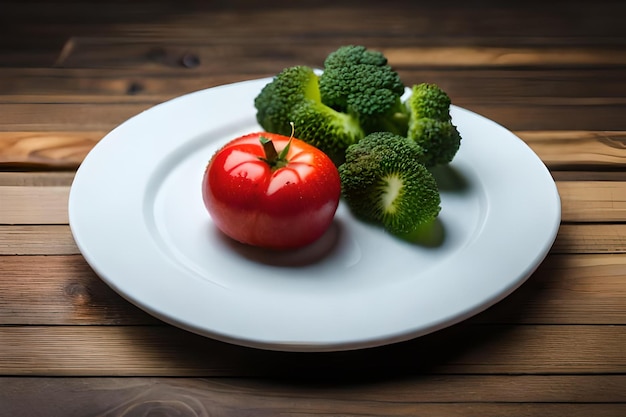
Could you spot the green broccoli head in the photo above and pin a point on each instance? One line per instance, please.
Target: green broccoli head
(375, 142)
(275, 101)
(294, 96)
(359, 81)
(357, 94)
(384, 183)
(429, 100)
(430, 124)
(439, 140)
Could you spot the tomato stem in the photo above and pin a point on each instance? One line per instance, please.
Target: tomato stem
(272, 157)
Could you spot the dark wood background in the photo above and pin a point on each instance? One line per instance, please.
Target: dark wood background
(553, 72)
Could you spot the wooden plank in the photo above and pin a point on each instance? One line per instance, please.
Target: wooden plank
(592, 201)
(54, 290)
(39, 205)
(168, 351)
(413, 20)
(225, 24)
(52, 150)
(86, 52)
(37, 240)
(63, 290)
(97, 84)
(479, 56)
(562, 176)
(572, 289)
(577, 149)
(66, 117)
(551, 116)
(415, 395)
(37, 178)
(591, 238)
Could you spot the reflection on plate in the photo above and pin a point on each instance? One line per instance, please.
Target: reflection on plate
(137, 215)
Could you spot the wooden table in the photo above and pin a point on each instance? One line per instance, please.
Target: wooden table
(553, 72)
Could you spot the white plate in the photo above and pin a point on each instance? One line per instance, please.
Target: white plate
(137, 215)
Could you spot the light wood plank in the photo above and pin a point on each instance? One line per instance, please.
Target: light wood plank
(410, 396)
(28, 205)
(503, 56)
(593, 201)
(167, 351)
(37, 178)
(63, 290)
(576, 149)
(48, 149)
(591, 238)
(37, 240)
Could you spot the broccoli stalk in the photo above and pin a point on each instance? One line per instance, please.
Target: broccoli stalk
(384, 183)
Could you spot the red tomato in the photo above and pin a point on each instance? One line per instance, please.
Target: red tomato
(269, 196)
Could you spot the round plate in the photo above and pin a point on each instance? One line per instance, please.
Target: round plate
(137, 216)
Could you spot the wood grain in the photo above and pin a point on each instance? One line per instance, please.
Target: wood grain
(34, 205)
(37, 240)
(168, 351)
(52, 290)
(51, 150)
(592, 201)
(577, 149)
(590, 238)
(67, 117)
(84, 52)
(37, 178)
(62, 85)
(553, 72)
(447, 395)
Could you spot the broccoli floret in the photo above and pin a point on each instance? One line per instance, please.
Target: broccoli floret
(439, 140)
(358, 93)
(430, 124)
(359, 81)
(294, 96)
(384, 183)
